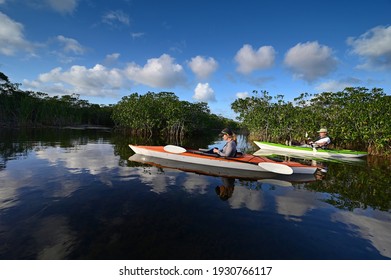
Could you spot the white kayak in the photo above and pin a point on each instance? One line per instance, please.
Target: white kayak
(244, 162)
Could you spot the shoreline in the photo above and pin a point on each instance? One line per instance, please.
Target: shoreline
(76, 127)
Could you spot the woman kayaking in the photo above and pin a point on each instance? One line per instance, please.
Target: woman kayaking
(229, 149)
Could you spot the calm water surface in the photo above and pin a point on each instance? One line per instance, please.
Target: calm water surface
(75, 195)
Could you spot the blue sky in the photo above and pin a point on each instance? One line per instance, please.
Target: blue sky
(212, 51)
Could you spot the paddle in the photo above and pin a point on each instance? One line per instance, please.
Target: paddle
(174, 149)
(313, 146)
(266, 166)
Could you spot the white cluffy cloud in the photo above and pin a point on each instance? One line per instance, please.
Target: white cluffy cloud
(242, 95)
(250, 60)
(338, 85)
(204, 93)
(95, 81)
(158, 72)
(111, 58)
(310, 61)
(70, 45)
(374, 47)
(203, 67)
(12, 38)
(100, 80)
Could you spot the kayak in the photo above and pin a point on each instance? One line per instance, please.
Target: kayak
(242, 162)
(273, 148)
(217, 171)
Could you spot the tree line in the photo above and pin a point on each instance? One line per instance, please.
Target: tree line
(357, 118)
(28, 108)
(145, 115)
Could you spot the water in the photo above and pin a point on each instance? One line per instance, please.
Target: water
(67, 194)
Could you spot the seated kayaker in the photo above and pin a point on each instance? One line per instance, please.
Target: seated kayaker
(322, 141)
(229, 149)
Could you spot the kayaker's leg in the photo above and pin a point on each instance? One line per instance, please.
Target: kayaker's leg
(206, 151)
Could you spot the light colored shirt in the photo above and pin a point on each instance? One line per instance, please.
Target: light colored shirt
(323, 141)
(229, 149)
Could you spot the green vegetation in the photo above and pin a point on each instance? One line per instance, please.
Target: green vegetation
(357, 118)
(152, 113)
(164, 113)
(27, 108)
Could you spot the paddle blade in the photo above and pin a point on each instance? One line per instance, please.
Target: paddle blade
(174, 149)
(276, 168)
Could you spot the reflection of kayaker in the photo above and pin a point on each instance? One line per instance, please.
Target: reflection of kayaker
(226, 190)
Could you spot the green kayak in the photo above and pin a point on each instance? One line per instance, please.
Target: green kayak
(274, 148)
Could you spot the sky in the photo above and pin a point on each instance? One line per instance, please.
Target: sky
(203, 51)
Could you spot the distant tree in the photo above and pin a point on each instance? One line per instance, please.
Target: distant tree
(4, 77)
(27, 108)
(163, 113)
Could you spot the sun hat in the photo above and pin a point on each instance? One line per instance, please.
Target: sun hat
(322, 130)
(226, 131)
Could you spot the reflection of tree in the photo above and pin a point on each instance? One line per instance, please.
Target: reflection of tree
(12, 146)
(353, 187)
(2, 163)
(19, 143)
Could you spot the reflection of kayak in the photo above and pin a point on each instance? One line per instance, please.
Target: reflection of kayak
(265, 177)
(273, 148)
(261, 165)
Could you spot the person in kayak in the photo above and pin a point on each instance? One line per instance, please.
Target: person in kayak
(322, 141)
(229, 149)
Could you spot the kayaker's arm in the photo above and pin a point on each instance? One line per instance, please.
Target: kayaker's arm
(229, 150)
(322, 142)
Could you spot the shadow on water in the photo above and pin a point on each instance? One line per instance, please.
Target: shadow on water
(69, 194)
